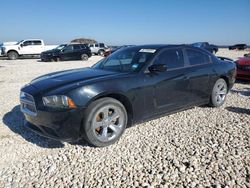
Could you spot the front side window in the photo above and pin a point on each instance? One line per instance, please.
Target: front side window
(126, 60)
(68, 48)
(197, 58)
(172, 58)
(27, 43)
(96, 45)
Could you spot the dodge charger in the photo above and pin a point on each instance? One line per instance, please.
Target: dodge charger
(132, 85)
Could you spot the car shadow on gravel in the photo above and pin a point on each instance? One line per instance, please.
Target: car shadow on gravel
(242, 92)
(238, 110)
(15, 121)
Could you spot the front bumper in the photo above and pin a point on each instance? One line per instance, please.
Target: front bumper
(64, 126)
(46, 57)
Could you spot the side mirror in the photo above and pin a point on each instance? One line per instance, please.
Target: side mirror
(157, 68)
(21, 45)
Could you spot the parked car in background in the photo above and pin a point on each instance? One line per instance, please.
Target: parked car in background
(238, 47)
(26, 47)
(114, 49)
(205, 45)
(67, 52)
(131, 85)
(247, 55)
(5, 44)
(243, 68)
(98, 48)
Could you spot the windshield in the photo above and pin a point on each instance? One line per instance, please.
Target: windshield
(61, 46)
(126, 60)
(20, 42)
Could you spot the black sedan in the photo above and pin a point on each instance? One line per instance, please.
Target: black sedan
(129, 86)
(67, 52)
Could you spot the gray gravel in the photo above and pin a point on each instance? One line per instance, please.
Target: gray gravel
(200, 147)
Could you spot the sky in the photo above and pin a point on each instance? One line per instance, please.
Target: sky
(117, 22)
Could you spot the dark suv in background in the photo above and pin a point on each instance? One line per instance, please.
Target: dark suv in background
(205, 45)
(67, 52)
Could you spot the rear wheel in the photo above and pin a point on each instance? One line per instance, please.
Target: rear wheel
(84, 57)
(12, 55)
(219, 93)
(106, 120)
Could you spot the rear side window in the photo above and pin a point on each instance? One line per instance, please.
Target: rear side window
(172, 58)
(83, 46)
(37, 42)
(197, 58)
(76, 47)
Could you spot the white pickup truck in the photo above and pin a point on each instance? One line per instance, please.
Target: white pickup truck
(29, 47)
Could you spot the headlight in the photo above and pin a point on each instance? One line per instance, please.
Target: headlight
(58, 101)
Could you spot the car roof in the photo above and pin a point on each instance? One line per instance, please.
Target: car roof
(158, 46)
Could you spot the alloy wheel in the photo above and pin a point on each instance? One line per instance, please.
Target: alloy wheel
(108, 123)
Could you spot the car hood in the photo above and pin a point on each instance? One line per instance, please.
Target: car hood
(76, 76)
(51, 51)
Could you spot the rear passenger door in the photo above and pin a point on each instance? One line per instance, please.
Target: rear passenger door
(198, 71)
(37, 46)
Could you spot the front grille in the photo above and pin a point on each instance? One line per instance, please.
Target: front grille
(244, 67)
(28, 105)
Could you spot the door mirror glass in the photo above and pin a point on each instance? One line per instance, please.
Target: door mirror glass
(157, 68)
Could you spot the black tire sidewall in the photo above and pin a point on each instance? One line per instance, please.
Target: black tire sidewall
(86, 57)
(88, 132)
(101, 53)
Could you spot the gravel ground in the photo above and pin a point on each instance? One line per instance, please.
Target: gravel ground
(200, 147)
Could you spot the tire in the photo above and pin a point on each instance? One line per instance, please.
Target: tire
(219, 93)
(55, 59)
(105, 121)
(101, 53)
(84, 57)
(12, 55)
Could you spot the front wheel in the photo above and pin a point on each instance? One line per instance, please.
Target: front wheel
(12, 55)
(219, 93)
(101, 53)
(105, 121)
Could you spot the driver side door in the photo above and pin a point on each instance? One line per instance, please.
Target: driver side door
(26, 47)
(67, 53)
(169, 89)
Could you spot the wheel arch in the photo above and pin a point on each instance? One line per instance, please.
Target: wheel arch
(12, 51)
(121, 98)
(227, 81)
